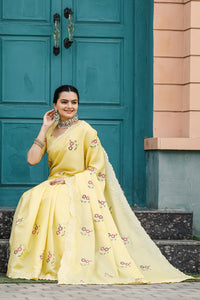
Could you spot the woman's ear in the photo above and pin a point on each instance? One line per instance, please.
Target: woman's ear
(54, 105)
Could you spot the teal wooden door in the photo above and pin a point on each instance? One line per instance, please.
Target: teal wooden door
(99, 63)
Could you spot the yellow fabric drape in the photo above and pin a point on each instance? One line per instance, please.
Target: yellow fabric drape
(83, 231)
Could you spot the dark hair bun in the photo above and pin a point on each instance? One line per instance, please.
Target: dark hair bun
(64, 88)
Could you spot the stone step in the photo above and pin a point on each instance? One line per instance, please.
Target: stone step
(184, 255)
(4, 255)
(166, 224)
(159, 224)
(6, 217)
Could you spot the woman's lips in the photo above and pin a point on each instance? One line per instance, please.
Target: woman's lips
(69, 111)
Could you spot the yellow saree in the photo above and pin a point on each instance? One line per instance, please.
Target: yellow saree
(83, 231)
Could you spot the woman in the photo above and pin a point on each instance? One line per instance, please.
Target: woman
(77, 226)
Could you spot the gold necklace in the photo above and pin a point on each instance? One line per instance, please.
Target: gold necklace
(67, 123)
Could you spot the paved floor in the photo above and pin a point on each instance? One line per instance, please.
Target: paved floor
(51, 291)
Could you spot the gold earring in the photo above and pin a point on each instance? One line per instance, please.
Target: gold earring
(57, 116)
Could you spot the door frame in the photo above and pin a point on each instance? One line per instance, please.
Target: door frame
(143, 94)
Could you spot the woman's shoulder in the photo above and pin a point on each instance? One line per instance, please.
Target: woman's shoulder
(87, 127)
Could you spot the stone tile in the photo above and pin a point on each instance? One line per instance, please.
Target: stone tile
(189, 290)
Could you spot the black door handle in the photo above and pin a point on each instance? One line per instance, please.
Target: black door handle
(68, 13)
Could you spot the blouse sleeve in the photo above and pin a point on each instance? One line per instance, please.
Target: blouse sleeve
(49, 131)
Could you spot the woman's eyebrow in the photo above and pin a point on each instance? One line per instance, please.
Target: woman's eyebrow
(69, 100)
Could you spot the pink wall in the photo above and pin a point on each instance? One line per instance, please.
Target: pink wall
(177, 69)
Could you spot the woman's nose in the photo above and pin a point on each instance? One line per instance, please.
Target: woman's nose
(69, 104)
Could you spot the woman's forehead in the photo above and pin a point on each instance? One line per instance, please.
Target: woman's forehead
(68, 96)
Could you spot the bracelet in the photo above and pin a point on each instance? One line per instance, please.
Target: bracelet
(39, 143)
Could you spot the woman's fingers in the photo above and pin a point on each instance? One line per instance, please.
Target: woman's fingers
(50, 113)
(48, 118)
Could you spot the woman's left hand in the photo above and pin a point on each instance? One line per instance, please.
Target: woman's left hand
(57, 181)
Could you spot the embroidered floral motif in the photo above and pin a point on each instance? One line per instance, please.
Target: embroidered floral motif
(90, 184)
(85, 262)
(72, 145)
(61, 173)
(60, 230)
(145, 268)
(104, 250)
(42, 255)
(112, 236)
(102, 203)
(98, 218)
(36, 229)
(140, 279)
(108, 275)
(124, 264)
(101, 176)
(82, 281)
(85, 199)
(50, 258)
(110, 209)
(125, 239)
(94, 143)
(85, 231)
(91, 170)
(19, 251)
(18, 221)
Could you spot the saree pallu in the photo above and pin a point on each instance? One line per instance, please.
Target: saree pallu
(83, 231)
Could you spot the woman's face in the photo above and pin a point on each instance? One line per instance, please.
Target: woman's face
(67, 105)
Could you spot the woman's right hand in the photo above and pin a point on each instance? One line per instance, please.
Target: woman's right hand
(48, 118)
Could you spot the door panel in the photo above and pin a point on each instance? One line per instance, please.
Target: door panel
(97, 67)
(17, 136)
(26, 63)
(98, 11)
(26, 10)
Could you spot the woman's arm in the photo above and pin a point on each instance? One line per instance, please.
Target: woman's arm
(34, 155)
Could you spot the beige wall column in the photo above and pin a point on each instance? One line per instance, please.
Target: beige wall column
(173, 179)
(176, 74)
(176, 68)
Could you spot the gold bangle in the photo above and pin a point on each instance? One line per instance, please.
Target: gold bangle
(39, 143)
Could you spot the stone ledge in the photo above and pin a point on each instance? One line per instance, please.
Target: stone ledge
(6, 218)
(146, 210)
(177, 242)
(159, 224)
(184, 255)
(158, 143)
(166, 224)
(4, 255)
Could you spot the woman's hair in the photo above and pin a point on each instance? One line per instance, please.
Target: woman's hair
(64, 88)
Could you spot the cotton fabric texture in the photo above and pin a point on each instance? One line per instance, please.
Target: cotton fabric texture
(83, 231)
